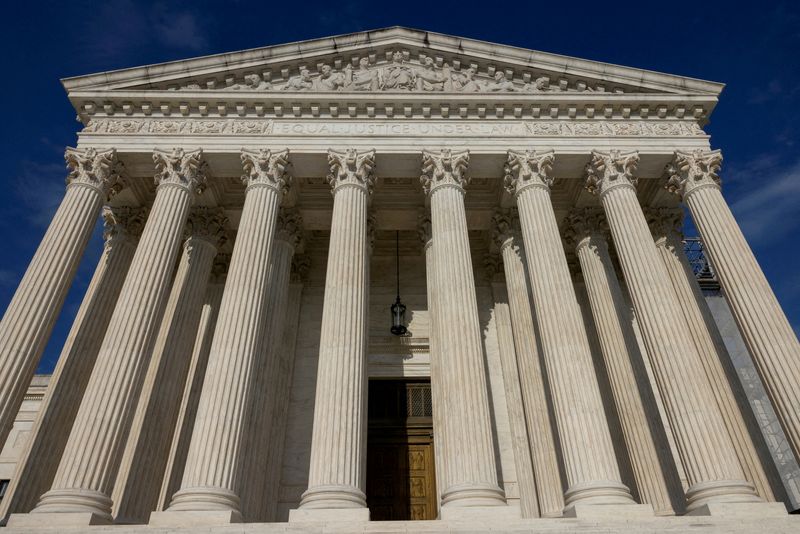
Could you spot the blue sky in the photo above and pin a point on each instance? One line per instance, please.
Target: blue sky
(752, 47)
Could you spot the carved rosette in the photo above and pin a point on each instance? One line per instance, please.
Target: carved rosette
(690, 171)
(608, 170)
(444, 169)
(424, 229)
(207, 224)
(266, 168)
(301, 264)
(289, 227)
(100, 170)
(122, 223)
(666, 224)
(583, 224)
(505, 227)
(351, 168)
(181, 168)
(528, 169)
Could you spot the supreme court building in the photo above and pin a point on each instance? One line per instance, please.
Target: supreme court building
(399, 276)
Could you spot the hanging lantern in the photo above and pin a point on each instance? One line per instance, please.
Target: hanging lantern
(398, 309)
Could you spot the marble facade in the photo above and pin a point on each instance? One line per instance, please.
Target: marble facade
(218, 368)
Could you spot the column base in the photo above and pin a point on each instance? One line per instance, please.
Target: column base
(720, 492)
(57, 520)
(598, 492)
(194, 518)
(471, 495)
(204, 499)
(475, 513)
(329, 515)
(334, 497)
(610, 511)
(741, 510)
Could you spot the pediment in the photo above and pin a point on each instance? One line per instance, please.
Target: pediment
(393, 60)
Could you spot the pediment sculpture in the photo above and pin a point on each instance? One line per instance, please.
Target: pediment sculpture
(396, 74)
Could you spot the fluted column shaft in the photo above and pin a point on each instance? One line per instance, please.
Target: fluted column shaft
(38, 463)
(767, 332)
(540, 429)
(656, 477)
(210, 478)
(471, 467)
(337, 474)
(181, 438)
(85, 477)
(263, 392)
(591, 468)
(725, 384)
(706, 450)
(147, 450)
(32, 312)
(520, 443)
(438, 399)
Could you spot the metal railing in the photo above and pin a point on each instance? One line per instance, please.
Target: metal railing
(701, 266)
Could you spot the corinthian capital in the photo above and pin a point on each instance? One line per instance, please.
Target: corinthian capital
(351, 168)
(690, 171)
(528, 169)
(101, 170)
(583, 224)
(265, 167)
(666, 224)
(444, 168)
(122, 223)
(607, 170)
(289, 227)
(207, 224)
(505, 227)
(185, 169)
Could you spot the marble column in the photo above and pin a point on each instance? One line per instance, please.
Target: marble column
(471, 468)
(182, 435)
(520, 442)
(767, 333)
(655, 475)
(666, 224)
(337, 474)
(85, 476)
(263, 391)
(210, 478)
(283, 384)
(592, 472)
(38, 463)
(146, 453)
(32, 312)
(712, 469)
(438, 400)
(543, 441)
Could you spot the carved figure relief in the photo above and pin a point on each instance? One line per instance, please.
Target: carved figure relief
(397, 73)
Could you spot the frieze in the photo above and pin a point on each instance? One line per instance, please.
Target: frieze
(538, 128)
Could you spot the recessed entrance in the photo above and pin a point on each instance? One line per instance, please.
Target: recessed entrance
(401, 482)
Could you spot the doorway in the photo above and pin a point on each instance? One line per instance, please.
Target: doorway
(401, 481)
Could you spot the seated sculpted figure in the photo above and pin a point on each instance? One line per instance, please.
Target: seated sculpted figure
(253, 82)
(361, 79)
(539, 85)
(328, 80)
(397, 76)
(428, 78)
(500, 83)
(302, 82)
(465, 82)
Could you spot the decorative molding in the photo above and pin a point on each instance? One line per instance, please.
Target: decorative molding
(351, 168)
(445, 168)
(584, 223)
(528, 169)
(207, 224)
(690, 171)
(609, 170)
(100, 170)
(181, 168)
(289, 227)
(123, 222)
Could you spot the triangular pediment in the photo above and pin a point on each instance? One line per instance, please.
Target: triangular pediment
(388, 61)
